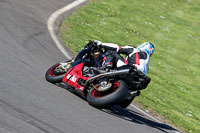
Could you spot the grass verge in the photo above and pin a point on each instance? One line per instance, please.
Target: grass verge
(173, 26)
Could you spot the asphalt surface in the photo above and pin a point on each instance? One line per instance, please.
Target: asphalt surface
(28, 103)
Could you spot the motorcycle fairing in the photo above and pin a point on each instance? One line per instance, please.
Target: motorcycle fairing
(73, 75)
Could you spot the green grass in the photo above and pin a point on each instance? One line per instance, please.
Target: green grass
(173, 26)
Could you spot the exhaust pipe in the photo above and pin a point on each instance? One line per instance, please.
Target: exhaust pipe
(107, 74)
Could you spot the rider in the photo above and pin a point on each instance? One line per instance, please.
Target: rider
(138, 57)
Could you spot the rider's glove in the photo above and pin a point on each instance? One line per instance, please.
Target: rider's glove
(93, 44)
(87, 47)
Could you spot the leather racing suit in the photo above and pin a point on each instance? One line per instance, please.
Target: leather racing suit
(138, 57)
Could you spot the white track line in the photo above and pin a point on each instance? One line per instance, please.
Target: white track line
(145, 113)
(149, 115)
(50, 25)
(52, 19)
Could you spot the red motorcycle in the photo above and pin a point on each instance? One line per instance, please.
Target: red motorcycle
(102, 89)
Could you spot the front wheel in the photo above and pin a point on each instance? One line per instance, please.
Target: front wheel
(55, 73)
(115, 95)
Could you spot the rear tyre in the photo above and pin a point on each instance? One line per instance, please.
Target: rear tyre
(53, 74)
(116, 94)
(126, 102)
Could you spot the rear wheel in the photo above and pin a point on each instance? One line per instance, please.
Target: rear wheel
(126, 102)
(114, 95)
(55, 73)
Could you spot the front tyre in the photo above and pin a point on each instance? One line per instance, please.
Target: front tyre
(116, 94)
(55, 74)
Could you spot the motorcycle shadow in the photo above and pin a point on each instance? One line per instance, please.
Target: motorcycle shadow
(133, 116)
(127, 114)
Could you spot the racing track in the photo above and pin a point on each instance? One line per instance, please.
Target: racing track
(29, 104)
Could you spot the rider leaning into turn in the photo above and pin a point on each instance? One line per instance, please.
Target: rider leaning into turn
(138, 57)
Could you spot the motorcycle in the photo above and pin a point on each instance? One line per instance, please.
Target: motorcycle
(102, 89)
